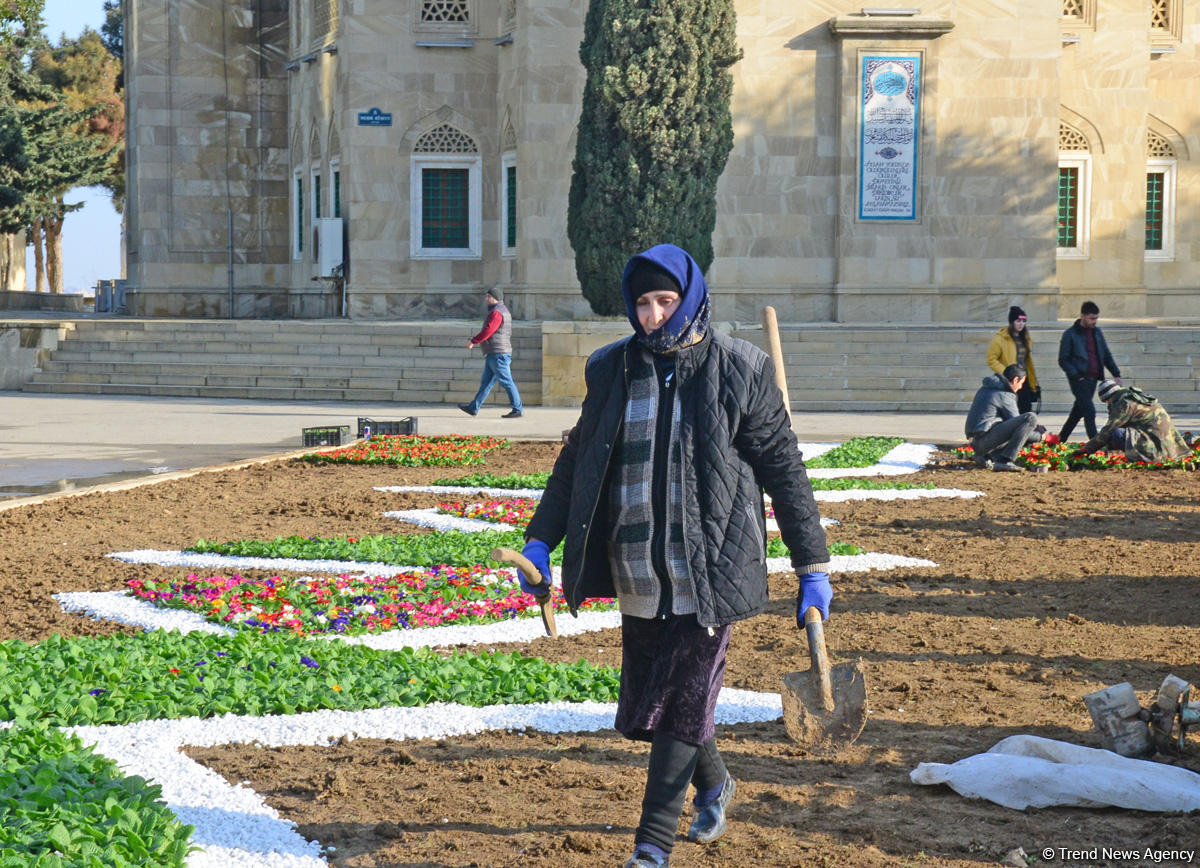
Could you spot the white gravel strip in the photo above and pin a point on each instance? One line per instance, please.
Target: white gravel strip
(892, 494)
(234, 824)
(855, 563)
(441, 521)
(905, 458)
(175, 558)
(772, 524)
(127, 609)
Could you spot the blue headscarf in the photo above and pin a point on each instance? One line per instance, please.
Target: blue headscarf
(689, 323)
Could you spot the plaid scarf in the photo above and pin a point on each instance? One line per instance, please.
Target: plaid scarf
(631, 507)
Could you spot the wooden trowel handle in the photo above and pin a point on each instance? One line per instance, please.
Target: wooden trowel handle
(534, 577)
(818, 654)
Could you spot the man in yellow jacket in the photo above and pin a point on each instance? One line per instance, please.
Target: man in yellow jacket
(1013, 345)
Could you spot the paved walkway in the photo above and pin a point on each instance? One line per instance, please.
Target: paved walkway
(56, 443)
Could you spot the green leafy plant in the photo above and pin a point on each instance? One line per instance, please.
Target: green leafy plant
(488, 480)
(852, 483)
(61, 804)
(122, 679)
(449, 547)
(856, 452)
(423, 550)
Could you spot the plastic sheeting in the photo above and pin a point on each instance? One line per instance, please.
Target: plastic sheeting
(1025, 771)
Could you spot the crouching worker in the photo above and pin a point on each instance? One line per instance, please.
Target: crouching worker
(995, 427)
(1137, 424)
(658, 494)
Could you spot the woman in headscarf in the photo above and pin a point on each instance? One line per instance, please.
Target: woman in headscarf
(658, 495)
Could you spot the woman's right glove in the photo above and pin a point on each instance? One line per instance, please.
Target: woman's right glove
(538, 554)
(815, 590)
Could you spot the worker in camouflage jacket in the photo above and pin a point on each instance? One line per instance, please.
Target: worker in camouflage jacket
(1138, 424)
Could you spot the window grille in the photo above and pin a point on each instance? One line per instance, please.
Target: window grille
(1160, 15)
(1068, 206)
(1155, 186)
(445, 211)
(445, 12)
(1070, 139)
(1073, 9)
(337, 193)
(511, 205)
(1157, 146)
(445, 139)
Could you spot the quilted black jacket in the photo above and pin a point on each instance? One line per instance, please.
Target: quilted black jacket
(736, 441)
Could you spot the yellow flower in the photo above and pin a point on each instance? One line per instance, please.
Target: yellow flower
(337, 687)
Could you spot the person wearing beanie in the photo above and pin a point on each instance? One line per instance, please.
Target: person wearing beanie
(657, 497)
(496, 340)
(1013, 345)
(995, 427)
(1083, 356)
(1138, 425)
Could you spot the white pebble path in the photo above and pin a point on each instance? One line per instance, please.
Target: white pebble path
(440, 521)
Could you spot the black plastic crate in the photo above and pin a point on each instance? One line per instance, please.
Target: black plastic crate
(330, 435)
(407, 425)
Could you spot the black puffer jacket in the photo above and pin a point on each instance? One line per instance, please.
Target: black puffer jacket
(736, 441)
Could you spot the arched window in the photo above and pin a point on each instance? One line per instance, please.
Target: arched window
(1160, 197)
(1074, 188)
(446, 212)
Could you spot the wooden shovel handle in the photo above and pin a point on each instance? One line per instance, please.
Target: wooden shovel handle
(775, 351)
(818, 654)
(534, 577)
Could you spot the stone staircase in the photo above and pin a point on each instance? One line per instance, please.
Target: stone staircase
(830, 367)
(300, 360)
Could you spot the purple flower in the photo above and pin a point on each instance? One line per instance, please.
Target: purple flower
(97, 691)
(309, 662)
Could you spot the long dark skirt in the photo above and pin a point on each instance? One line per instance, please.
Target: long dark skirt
(671, 673)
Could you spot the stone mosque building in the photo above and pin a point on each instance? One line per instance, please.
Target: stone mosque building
(386, 159)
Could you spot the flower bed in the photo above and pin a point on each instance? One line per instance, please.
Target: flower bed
(1063, 456)
(856, 452)
(413, 450)
(349, 605)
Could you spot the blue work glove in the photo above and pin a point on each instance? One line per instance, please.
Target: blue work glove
(815, 590)
(538, 554)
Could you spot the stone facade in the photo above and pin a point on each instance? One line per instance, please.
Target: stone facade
(266, 115)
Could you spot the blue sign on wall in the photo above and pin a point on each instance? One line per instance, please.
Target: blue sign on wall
(374, 118)
(889, 137)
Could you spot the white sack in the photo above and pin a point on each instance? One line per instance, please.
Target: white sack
(1028, 771)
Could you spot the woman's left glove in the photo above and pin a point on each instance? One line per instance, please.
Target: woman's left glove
(815, 590)
(538, 554)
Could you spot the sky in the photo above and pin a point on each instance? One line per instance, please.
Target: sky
(91, 235)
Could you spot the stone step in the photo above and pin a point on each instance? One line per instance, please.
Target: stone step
(406, 396)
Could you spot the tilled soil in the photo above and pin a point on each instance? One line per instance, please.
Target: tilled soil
(1050, 587)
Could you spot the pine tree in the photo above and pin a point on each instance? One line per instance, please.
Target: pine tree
(654, 134)
(75, 140)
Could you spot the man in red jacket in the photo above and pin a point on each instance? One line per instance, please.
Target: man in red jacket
(496, 339)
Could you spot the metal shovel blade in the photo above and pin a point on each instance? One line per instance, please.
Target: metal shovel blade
(827, 705)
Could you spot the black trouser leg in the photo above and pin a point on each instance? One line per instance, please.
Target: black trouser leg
(672, 765)
(710, 768)
(1083, 408)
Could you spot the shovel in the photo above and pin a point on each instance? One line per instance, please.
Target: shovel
(534, 577)
(825, 705)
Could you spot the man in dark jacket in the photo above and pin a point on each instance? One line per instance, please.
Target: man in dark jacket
(1083, 355)
(658, 494)
(995, 427)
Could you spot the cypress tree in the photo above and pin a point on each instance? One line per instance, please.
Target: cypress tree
(654, 134)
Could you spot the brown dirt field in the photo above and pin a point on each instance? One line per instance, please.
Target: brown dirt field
(1048, 588)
